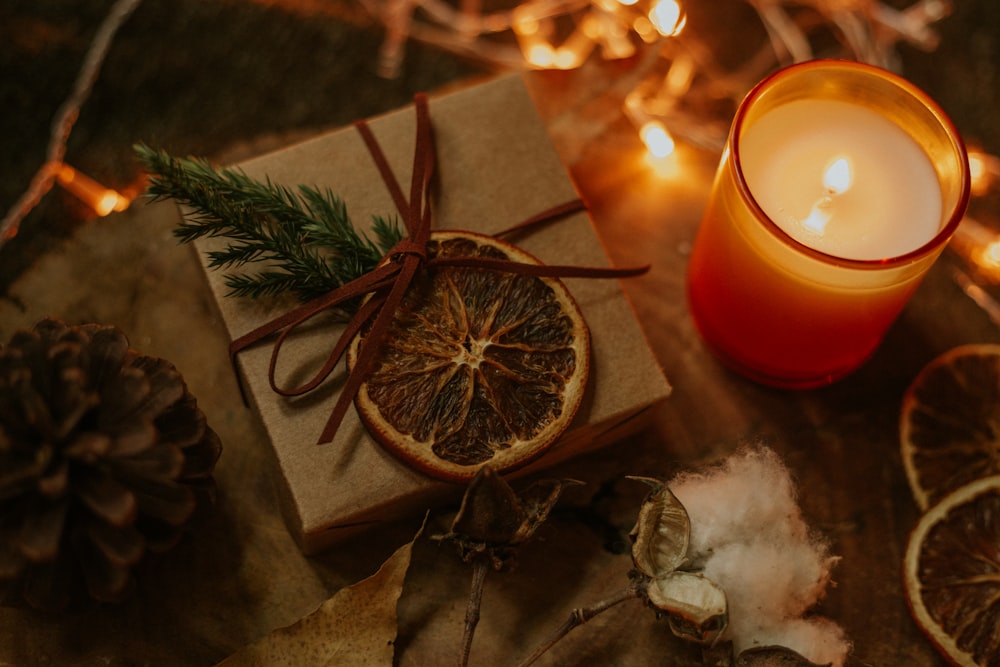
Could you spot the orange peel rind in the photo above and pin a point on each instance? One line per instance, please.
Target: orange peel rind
(952, 574)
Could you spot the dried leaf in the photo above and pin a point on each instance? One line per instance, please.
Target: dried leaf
(357, 626)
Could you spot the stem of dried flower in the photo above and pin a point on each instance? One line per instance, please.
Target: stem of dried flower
(479, 569)
(580, 615)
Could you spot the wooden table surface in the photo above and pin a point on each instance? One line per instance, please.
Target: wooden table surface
(240, 576)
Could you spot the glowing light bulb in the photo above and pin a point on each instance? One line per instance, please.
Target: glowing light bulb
(983, 168)
(658, 141)
(565, 58)
(101, 199)
(526, 27)
(541, 55)
(990, 257)
(667, 17)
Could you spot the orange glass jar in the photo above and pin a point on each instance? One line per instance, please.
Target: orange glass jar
(793, 280)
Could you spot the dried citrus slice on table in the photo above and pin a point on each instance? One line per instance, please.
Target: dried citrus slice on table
(479, 366)
(952, 573)
(950, 422)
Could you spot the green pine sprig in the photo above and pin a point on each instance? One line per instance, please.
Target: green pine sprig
(305, 236)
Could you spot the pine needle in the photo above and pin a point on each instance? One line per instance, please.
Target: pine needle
(305, 236)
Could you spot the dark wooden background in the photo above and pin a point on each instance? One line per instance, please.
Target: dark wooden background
(228, 79)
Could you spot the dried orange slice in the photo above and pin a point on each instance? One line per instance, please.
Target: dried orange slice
(479, 366)
(952, 573)
(950, 422)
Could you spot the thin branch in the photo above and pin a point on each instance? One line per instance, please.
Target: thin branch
(66, 117)
(581, 615)
(479, 569)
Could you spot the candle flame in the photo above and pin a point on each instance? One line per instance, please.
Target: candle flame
(837, 178)
(836, 181)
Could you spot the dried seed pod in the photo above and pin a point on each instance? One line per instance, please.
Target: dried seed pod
(104, 454)
(493, 519)
(695, 604)
(662, 531)
(773, 656)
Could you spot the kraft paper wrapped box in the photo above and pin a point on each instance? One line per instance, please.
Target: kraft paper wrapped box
(495, 167)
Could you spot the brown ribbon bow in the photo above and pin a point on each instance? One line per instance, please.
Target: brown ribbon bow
(387, 283)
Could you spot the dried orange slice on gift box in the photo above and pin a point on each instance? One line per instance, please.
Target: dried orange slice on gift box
(950, 422)
(479, 366)
(952, 573)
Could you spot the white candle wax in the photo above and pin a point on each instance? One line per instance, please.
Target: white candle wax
(891, 205)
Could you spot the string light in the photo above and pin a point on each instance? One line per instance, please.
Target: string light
(682, 68)
(984, 169)
(49, 171)
(99, 198)
(990, 255)
(656, 138)
(668, 18)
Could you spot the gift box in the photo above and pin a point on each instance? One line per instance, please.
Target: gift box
(495, 167)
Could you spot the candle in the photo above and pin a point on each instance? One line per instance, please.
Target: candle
(842, 179)
(840, 185)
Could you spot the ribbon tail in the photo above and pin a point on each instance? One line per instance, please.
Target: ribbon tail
(548, 215)
(369, 347)
(541, 270)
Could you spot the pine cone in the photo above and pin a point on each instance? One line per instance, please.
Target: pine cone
(104, 455)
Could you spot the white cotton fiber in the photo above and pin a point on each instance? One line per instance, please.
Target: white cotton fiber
(748, 535)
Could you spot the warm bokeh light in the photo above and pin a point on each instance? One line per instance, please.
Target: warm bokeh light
(526, 27)
(565, 59)
(658, 141)
(101, 199)
(983, 169)
(541, 55)
(991, 254)
(668, 17)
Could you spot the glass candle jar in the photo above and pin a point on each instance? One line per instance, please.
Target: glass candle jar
(839, 186)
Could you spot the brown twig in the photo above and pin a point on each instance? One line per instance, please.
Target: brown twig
(479, 569)
(581, 615)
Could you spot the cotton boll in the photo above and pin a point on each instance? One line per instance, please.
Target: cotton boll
(749, 537)
(819, 639)
(767, 583)
(750, 491)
